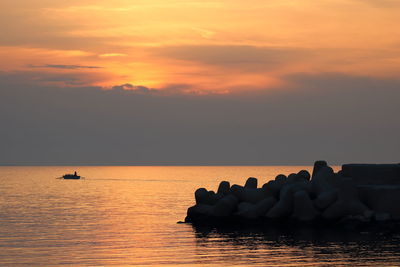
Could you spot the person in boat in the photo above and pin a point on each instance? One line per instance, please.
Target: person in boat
(75, 174)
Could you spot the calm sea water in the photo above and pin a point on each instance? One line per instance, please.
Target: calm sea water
(128, 216)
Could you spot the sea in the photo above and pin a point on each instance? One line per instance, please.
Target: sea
(128, 215)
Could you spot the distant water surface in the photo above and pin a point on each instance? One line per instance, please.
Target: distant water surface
(128, 216)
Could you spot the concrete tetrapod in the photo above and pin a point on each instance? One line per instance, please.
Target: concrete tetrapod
(225, 206)
(347, 204)
(253, 211)
(325, 193)
(224, 188)
(303, 209)
(251, 183)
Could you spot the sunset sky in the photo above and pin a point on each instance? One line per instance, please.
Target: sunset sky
(223, 50)
(200, 46)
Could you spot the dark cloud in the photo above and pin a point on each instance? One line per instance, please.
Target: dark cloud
(36, 77)
(329, 116)
(229, 55)
(133, 88)
(67, 67)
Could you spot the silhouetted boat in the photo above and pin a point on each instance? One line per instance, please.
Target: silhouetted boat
(71, 176)
(74, 176)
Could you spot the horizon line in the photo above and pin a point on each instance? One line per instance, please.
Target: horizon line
(154, 165)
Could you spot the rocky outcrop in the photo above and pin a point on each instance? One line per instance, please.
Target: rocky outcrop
(356, 192)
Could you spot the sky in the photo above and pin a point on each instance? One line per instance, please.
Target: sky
(199, 82)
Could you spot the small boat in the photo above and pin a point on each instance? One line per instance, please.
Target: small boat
(74, 176)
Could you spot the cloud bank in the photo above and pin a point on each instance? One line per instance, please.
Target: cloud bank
(67, 67)
(328, 116)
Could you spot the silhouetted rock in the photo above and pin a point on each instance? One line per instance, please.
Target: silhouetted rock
(347, 204)
(237, 191)
(325, 199)
(325, 193)
(198, 213)
(292, 178)
(303, 209)
(305, 174)
(225, 206)
(274, 187)
(251, 182)
(265, 205)
(270, 189)
(224, 188)
(281, 178)
(284, 206)
(253, 211)
(253, 195)
(317, 166)
(203, 196)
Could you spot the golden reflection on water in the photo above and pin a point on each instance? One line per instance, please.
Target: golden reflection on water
(128, 215)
